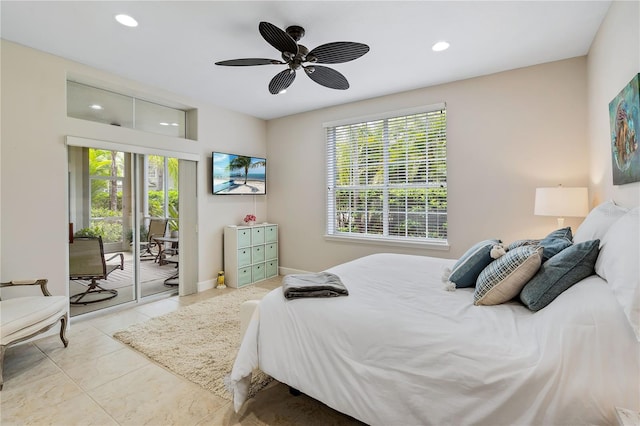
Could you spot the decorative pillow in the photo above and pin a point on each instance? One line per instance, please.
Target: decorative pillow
(618, 264)
(503, 279)
(559, 273)
(555, 242)
(597, 222)
(520, 243)
(468, 267)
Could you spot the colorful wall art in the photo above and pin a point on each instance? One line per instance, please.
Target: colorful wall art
(624, 118)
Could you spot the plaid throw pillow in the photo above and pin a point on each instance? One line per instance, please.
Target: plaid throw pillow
(503, 279)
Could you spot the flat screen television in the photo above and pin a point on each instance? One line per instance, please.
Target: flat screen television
(234, 174)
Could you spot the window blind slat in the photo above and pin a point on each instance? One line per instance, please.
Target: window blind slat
(387, 177)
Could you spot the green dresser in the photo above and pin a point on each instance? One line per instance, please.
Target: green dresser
(250, 254)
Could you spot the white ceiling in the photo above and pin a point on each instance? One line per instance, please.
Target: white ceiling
(177, 42)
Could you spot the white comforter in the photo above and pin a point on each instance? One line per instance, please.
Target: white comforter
(400, 350)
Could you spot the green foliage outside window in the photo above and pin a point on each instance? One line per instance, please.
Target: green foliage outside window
(107, 170)
(111, 230)
(394, 169)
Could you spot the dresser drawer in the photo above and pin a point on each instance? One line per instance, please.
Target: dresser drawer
(257, 235)
(257, 254)
(244, 256)
(244, 276)
(271, 251)
(258, 272)
(271, 268)
(244, 237)
(271, 233)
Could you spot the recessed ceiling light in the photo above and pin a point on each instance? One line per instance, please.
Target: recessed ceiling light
(96, 107)
(175, 124)
(440, 46)
(127, 20)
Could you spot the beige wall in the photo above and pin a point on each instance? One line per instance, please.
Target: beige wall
(507, 134)
(34, 163)
(614, 58)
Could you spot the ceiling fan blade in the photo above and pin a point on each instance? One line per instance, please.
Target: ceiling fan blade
(327, 77)
(281, 81)
(338, 52)
(248, 62)
(278, 38)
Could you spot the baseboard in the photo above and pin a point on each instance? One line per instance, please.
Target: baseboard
(286, 271)
(207, 285)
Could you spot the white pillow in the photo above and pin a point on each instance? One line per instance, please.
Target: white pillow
(598, 221)
(619, 264)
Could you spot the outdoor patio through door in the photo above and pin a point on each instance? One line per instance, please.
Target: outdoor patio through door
(109, 192)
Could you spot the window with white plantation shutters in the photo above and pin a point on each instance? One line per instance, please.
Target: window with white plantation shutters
(387, 178)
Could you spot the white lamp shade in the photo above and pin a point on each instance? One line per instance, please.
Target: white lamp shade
(562, 202)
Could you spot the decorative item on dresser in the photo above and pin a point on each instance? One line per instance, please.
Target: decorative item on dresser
(250, 220)
(250, 254)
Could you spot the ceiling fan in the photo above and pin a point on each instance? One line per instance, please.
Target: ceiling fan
(297, 56)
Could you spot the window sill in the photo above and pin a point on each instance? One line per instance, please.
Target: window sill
(430, 245)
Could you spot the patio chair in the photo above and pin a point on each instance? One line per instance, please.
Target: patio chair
(150, 249)
(87, 262)
(27, 316)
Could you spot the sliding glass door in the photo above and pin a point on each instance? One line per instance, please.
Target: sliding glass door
(159, 230)
(124, 227)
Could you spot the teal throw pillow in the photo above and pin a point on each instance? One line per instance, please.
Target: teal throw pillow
(559, 273)
(555, 242)
(466, 270)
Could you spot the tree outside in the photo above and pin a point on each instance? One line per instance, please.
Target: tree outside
(399, 159)
(106, 170)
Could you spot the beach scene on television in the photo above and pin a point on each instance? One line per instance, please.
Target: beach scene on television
(238, 174)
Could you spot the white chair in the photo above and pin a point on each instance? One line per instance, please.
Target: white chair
(21, 318)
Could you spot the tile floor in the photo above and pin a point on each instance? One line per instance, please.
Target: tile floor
(97, 380)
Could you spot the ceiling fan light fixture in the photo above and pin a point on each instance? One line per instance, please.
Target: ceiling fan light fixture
(283, 91)
(296, 56)
(440, 46)
(126, 20)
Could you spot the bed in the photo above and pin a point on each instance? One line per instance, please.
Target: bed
(401, 349)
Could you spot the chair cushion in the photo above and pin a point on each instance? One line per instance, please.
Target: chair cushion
(22, 316)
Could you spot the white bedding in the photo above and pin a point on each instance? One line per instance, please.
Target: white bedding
(400, 350)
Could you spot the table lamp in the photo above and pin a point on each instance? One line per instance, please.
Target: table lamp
(561, 202)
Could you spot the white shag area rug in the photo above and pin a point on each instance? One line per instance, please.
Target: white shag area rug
(198, 342)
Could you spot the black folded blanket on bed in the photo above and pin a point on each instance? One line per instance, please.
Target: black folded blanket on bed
(322, 284)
